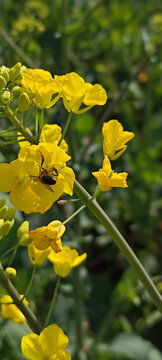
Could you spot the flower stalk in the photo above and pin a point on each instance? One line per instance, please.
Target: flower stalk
(119, 240)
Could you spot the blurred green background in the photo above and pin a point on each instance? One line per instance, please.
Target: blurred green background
(101, 306)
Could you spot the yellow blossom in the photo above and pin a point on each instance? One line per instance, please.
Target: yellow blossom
(37, 178)
(50, 344)
(50, 134)
(107, 178)
(40, 86)
(115, 139)
(75, 91)
(11, 311)
(37, 257)
(48, 236)
(65, 260)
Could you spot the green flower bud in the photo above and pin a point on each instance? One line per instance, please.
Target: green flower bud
(2, 202)
(5, 97)
(10, 214)
(10, 272)
(23, 229)
(15, 71)
(16, 90)
(2, 82)
(23, 102)
(6, 227)
(25, 240)
(3, 211)
(4, 71)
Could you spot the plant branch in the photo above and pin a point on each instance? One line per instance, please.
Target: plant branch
(119, 240)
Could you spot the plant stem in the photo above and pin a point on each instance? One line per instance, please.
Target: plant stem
(119, 240)
(9, 287)
(24, 131)
(52, 301)
(78, 309)
(41, 121)
(66, 127)
(74, 214)
(30, 283)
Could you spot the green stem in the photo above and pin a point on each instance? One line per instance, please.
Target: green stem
(30, 283)
(24, 131)
(74, 214)
(9, 287)
(78, 309)
(8, 251)
(52, 301)
(65, 129)
(36, 122)
(41, 121)
(13, 255)
(119, 240)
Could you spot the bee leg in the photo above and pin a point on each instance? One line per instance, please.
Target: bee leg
(49, 188)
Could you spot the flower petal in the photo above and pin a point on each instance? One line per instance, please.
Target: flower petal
(53, 340)
(31, 347)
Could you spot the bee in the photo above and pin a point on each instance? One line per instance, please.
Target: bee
(45, 177)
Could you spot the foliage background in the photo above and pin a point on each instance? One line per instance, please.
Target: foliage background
(118, 44)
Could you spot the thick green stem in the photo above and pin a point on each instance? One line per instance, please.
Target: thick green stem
(52, 301)
(119, 240)
(24, 131)
(9, 287)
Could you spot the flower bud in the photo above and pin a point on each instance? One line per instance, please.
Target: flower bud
(10, 272)
(16, 90)
(4, 70)
(23, 229)
(23, 102)
(6, 227)
(10, 214)
(25, 240)
(5, 96)
(2, 82)
(3, 211)
(15, 71)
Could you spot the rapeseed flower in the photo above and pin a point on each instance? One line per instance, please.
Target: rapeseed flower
(50, 344)
(75, 92)
(51, 133)
(48, 236)
(65, 260)
(115, 139)
(40, 86)
(11, 311)
(37, 257)
(37, 178)
(107, 178)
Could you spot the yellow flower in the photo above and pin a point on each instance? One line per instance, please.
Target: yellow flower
(115, 139)
(11, 311)
(37, 257)
(49, 345)
(65, 260)
(48, 236)
(107, 178)
(75, 91)
(40, 86)
(37, 178)
(49, 134)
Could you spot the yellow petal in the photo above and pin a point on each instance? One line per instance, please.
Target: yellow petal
(11, 311)
(53, 340)
(52, 134)
(96, 95)
(31, 347)
(37, 256)
(8, 177)
(69, 177)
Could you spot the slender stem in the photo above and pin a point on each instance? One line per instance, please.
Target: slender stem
(66, 127)
(41, 121)
(74, 214)
(30, 282)
(119, 240)
(9, 287)
(13, 255)
(78, 309)
(8, 251)
(52, 301)
(24, 131)
(36, 122)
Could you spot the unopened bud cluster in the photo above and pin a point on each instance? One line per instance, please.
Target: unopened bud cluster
(23, 234)
(10, 79)
(6, 218)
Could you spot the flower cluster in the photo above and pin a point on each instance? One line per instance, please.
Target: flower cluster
(40, 86)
